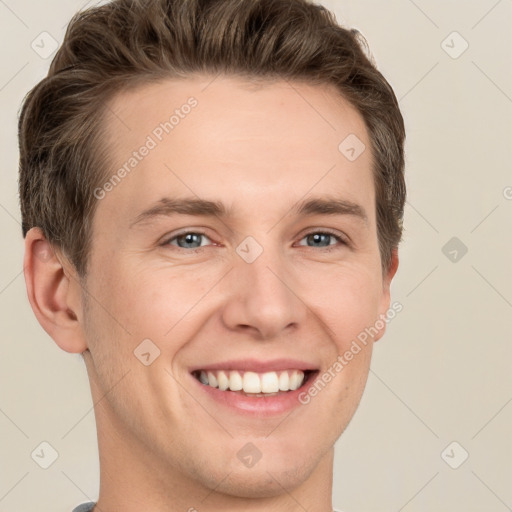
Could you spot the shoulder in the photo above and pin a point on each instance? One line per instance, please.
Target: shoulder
(84, 507)
(87, 507)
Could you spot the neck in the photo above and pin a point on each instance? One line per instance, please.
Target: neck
(134, 478)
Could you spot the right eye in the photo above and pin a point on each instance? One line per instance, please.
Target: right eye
(186, 240)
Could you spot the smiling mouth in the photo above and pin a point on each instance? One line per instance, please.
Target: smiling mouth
(255, 384)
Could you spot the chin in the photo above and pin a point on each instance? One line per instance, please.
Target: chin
(266, 478)
(263, 482)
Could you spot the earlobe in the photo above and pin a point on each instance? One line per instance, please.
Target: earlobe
(53, 293)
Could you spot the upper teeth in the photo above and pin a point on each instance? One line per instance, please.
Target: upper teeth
(252, 382)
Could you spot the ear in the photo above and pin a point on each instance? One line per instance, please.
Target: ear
(53, 289)
(386, 295)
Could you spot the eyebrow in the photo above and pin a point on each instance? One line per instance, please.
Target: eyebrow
(167, 207)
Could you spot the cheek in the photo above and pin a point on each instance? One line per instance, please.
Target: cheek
(138, 303)
(166, 307)
(346, 300)
(154, 302)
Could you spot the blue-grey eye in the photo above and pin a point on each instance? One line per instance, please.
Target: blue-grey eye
(321, 239)
(188, 240)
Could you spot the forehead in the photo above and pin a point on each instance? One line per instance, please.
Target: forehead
(227, 137)
(230, 104)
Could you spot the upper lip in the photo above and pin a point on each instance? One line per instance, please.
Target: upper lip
(257, 365)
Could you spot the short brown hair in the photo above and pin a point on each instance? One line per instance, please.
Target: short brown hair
(125, 43)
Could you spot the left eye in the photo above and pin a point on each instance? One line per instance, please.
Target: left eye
(320, 237)
(189, 240)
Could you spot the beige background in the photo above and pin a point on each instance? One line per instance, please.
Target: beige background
(442, 372)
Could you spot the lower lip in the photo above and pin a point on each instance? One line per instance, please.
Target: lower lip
(259, 405)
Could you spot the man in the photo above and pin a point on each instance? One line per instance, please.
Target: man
(212, 196)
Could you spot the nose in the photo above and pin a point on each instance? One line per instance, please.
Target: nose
(263, 298)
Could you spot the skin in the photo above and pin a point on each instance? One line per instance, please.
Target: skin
(163, 445)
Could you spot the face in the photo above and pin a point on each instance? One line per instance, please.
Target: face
(240, 248)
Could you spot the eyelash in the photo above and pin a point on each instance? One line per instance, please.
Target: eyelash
(329, 248)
